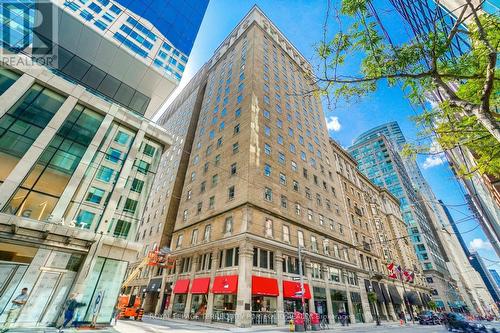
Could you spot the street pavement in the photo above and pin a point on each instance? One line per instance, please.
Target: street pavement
(184, 326)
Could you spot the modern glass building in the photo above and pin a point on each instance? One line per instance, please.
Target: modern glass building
(130, 52)
(161, 32)
(423, 16)
(378, 158)
(78, 156)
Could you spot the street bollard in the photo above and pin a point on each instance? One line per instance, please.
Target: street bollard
(298, 321)
(314, 321)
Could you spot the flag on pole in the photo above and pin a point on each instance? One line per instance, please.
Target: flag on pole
(390, 267)
(399, 272)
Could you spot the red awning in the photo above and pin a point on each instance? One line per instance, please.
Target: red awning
(292, 287)
(225, 284)
(200, 286)
(181, 286)
(264, 286)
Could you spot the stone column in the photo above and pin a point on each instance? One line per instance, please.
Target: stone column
(210, 296)
(189, 297)
(366, 305)
(280, 308)
(329, 306)
(162, 292)
(176, 276)
(243, 317)
(308, 279)
(350, 308)
(383, 310)
(391, 312)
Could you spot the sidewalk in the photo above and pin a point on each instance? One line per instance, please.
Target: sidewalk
(55, 330)
(275, 329)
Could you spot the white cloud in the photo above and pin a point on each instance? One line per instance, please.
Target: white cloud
(432, 161)
(333, 124)
(479, 244)
(436, 158)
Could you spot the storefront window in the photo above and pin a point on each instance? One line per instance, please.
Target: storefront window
(264, 310)
(198, 307)
(179, 304)
(224, 308)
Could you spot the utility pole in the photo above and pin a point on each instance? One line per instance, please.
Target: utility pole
(302, 289)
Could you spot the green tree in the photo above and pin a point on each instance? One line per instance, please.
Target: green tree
(464, 89)
(372, 297)
(432, 305)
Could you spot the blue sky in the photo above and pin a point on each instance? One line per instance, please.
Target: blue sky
(302, 22)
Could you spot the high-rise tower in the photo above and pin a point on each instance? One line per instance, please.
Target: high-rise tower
(263, 180)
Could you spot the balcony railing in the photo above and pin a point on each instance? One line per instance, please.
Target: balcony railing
(264, 318)
(224, 316)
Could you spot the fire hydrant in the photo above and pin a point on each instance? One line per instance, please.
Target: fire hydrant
(292, 326)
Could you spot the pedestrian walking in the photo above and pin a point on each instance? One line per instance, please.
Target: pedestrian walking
(71, 305)
(15, 309)
(401, 318)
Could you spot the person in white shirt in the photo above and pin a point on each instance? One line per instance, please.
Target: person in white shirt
(15, 309)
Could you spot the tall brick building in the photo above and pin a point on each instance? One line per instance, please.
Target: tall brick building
(264, 179)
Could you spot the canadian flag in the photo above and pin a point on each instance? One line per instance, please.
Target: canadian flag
(390, 268)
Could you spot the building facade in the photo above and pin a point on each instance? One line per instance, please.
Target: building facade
(263, 179)
(155, 232)
(379, 160)
(77, 167)
(448, 242)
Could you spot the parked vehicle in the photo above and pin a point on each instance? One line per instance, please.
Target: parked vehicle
(428, 318)
(457, 322)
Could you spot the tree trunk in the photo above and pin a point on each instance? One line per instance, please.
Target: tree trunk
(488, 121)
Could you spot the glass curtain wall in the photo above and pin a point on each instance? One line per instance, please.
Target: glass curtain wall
(7, 78)
(91, 198)
(137, 188)
(23, 123)
(44, 184)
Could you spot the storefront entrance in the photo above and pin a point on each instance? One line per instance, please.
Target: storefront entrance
(199, 298)
(48, 275)
(264, 299)
(292, 299)
(198, 307)
(225, 289)
(320, 303)
(357, 307)
(339, 303)
(179, 305)
(180, 291)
